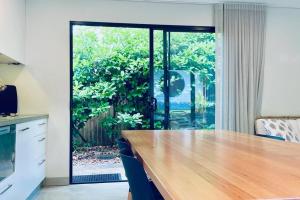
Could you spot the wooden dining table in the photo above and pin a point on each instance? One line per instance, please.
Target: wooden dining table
(217, 165)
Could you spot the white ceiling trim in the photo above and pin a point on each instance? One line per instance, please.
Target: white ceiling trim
(269, 3)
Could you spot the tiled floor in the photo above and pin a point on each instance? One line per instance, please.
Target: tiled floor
(101, 191)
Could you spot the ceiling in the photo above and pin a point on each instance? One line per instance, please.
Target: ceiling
(271, 3)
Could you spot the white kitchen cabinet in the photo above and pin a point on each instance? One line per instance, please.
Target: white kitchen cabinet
(12, 29)
(8, 188)
(30, 155)
(24, 151)
(30, 161)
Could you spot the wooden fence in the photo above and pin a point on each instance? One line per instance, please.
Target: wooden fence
(94, 133)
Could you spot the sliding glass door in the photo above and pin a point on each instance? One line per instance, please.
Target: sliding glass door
(128, 76)
(184, 79)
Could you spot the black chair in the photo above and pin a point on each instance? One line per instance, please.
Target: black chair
(123, 144)
(141, 188)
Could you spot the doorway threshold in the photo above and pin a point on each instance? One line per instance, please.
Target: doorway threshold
(98, 178)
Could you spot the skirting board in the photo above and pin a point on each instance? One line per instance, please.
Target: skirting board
(56, 181)
(35, 193)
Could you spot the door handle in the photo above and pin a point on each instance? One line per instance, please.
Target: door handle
(154, 103)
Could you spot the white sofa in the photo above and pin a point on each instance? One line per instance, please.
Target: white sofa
(281, 128)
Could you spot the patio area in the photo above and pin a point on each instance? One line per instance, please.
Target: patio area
(98, 160)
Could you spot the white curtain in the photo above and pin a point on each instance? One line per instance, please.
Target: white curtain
(240, 39)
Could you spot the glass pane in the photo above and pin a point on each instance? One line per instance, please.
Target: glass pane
(110, 93)
(192, 80)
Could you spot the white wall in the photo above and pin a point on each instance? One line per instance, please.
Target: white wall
(12, 29)
(281, 95)
(48, 54)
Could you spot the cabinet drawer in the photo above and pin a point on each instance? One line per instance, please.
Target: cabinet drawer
(41, 126)
(26, 128)
(8, 188)
(39, 146)
(7, 192)
(39, 172)
(34, 128)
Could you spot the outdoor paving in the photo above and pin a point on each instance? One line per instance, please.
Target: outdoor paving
(98, 168)
(87, 162)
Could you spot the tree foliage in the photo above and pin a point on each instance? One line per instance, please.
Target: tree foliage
(110, 70)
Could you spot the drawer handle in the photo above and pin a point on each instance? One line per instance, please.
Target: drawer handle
(40, 163)
(25, 129)
(6, 189)
(41, 140)
(41, 124)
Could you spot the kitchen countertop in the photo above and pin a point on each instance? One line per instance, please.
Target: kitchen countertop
(4, 121)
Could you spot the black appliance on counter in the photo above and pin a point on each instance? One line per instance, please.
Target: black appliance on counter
(7, 151)
(8, 100)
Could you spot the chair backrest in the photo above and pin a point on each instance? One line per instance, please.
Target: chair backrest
(123, 144)
(139, 184)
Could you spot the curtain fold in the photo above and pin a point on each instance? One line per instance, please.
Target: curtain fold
(240, 44)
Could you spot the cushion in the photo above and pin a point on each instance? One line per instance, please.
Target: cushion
(260, 127)
(282, 128)
(298, 126)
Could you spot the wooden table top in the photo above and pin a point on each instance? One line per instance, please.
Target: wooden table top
(218, 165)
